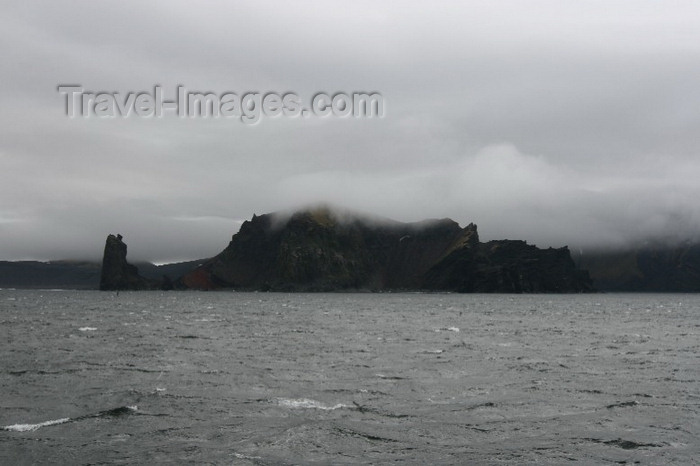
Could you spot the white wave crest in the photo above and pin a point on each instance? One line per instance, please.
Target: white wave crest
(305, 403)
(246, 457)
(33, 427)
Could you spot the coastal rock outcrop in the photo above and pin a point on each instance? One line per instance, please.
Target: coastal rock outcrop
(117, 273)
(508, 266)
(324, 249)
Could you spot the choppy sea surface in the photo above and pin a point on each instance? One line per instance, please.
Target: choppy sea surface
(276, 379)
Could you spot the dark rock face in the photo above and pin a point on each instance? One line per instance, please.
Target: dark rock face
(117, 273)
(77, 275)
(651, 268)
(321, 250)
(508, 267)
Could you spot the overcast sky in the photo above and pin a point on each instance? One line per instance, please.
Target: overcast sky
(557, 122)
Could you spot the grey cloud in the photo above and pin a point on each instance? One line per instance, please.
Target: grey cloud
(555, 122)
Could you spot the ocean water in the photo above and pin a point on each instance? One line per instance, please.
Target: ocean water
(277, 379)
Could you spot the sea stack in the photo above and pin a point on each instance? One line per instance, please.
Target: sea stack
(117, 273)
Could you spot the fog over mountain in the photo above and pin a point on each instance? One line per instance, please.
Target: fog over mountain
(553, 122)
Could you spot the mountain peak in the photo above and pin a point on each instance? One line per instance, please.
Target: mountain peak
(323, 248)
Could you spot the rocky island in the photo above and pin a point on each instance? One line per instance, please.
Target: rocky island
(324, 249)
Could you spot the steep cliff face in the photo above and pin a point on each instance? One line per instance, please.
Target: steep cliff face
(117, 273)
(651, 268)
(320, 249)
(508, 267)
